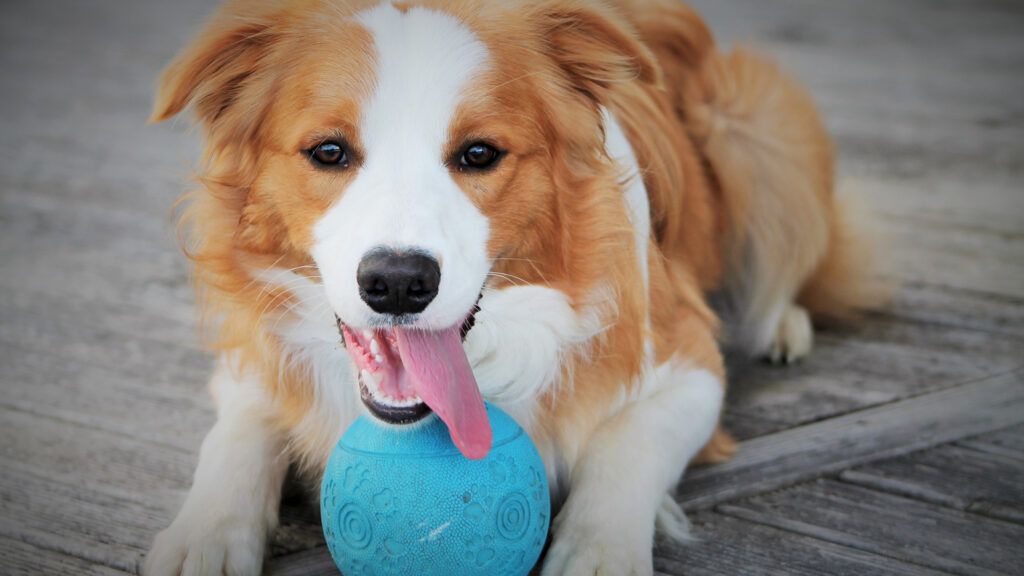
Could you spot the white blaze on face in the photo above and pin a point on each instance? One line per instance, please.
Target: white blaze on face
(404, 197)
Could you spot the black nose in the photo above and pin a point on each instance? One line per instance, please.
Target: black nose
(397, 282)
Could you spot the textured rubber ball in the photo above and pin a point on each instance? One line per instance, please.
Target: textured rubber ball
(402, 500)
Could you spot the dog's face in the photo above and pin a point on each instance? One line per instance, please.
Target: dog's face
(416, 166)
(419, 171)
(408, 153)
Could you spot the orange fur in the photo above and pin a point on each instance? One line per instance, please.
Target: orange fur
(846, 283)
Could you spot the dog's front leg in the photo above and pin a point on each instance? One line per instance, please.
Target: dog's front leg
(233, 505)
(607, 523)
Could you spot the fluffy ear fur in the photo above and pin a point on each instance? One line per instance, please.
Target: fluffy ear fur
(596, 47)
(209, 73)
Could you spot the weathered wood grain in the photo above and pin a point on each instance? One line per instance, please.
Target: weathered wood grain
(52, 250)
(312, 562)
(70, 318)
(159, 409)
(891, 526)
(772, 461)
(129, 342)
(103, 528)
(968, 259)
(942, 308)
(19, 558)
(727, 545)
(951, 476)
(109, 525)
(94, 459)
(1008, 443)
(881, 361)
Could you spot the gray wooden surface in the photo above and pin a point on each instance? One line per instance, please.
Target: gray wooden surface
(896, 448)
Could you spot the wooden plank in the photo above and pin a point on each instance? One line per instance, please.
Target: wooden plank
(312, 562)
(726, 545)
(992, 208)
(772, 461)
(891, 526)
(51, 255)
(744, 425)
(942, 308)
(128, 341)
(1008, 443)
(883, 360)
(127, 469)
(966, 259)
(23, 559)
(40, 319)
(130, 167)
(163, 408)
(99, 527)
(107, 526)
(93, 428)
(951, 476)
(96, 460)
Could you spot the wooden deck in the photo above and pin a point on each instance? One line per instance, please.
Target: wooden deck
(898, 447)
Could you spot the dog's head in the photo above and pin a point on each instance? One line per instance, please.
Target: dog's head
(410, 153)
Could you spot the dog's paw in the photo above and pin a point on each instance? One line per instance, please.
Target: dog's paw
(793, 337)
(586, 551)
(231, 546)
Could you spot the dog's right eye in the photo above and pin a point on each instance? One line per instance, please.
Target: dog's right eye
(329, 154)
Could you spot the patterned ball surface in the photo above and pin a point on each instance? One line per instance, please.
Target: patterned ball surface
(403, 501)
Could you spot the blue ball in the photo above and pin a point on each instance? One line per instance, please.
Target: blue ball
(404, 501)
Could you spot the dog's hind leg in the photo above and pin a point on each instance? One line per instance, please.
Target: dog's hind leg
(772, 158)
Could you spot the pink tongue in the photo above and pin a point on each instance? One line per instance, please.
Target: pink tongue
(444, 381)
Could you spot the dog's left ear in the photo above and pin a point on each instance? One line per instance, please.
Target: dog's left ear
(596, 47)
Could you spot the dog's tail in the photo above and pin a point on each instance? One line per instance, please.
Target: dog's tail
(848, 280)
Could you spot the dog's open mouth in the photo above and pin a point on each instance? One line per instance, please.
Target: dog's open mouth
(385, 388)
(407, 373)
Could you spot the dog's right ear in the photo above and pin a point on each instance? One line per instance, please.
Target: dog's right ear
(594, 46)
(209, 73)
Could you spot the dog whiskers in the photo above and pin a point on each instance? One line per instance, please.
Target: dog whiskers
(516, 280)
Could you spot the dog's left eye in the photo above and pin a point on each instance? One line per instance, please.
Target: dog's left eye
(479, 155)
(329, 154)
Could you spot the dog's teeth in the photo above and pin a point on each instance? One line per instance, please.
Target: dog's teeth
(379, 359)
(375, 348)
(367, 334)
(368, 380)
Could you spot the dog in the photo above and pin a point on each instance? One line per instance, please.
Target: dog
(536, 198)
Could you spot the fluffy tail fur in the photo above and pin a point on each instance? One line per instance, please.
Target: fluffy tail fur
(848, 279)
(791, 241)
